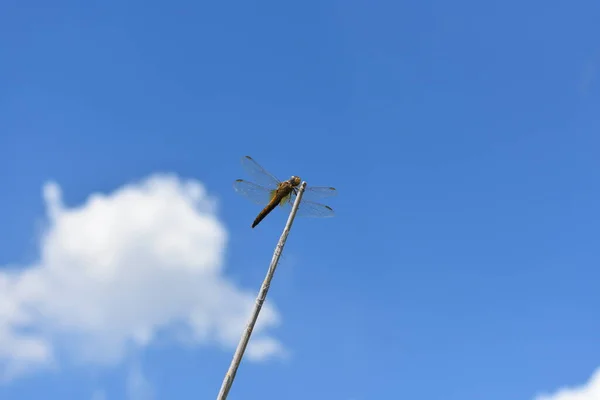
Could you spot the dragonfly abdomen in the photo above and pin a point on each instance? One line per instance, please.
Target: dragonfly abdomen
(280, 194)
(265, 211)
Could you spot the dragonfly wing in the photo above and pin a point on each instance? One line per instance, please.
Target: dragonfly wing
(255, 193)
(309, 208)
(313, 209)
(318, 192)
(261, 175)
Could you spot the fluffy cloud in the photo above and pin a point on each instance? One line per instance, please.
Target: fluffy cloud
(588, 391)
(119, 270)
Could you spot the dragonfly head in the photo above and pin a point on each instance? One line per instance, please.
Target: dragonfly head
(295, 180)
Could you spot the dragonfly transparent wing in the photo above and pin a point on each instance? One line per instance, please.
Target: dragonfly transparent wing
(309, 208)
(255, 193)
(318, 192)
(313, 209)
(261, 175)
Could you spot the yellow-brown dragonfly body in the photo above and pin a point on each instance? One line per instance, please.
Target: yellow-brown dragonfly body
(280, 196)
(273, 192)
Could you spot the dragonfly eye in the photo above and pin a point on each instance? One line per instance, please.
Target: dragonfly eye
(295, 180)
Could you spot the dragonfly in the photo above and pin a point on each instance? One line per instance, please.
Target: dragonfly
(271, 192)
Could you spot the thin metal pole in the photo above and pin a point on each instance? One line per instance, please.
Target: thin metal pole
(260, 299)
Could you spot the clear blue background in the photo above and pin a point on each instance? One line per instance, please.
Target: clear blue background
(463, 138)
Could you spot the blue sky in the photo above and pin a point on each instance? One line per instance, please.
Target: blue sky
(462, 138)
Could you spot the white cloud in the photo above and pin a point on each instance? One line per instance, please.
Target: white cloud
(588, 391)
(120, 269)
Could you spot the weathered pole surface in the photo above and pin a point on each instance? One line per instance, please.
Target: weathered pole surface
(260, 299)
